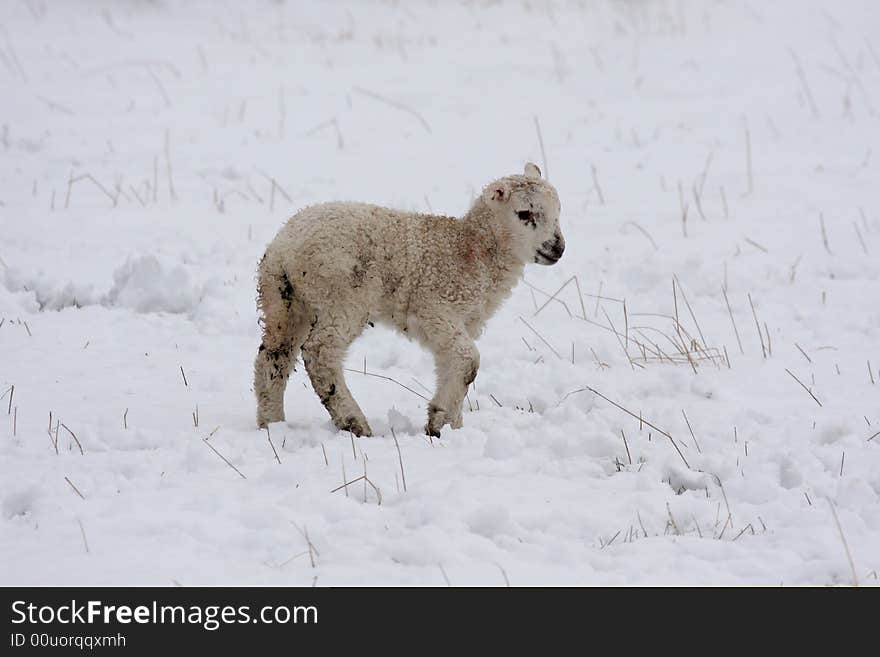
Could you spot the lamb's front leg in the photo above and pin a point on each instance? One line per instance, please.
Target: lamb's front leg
(457, 361)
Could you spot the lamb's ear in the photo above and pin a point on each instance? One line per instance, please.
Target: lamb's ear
(497, 192)
(532, 171)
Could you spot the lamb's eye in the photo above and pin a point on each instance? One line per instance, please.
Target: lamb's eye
(527, 217)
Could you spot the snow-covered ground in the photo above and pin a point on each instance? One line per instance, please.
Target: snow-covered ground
(150, 150)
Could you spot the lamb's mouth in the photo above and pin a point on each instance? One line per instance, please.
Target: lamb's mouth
(546, 258)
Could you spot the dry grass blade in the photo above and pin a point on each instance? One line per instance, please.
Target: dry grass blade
(400, 458)
(743, 531)
(705, 173)
(395, 105)
(758, 326)
(804, 353)
(87, 176)
(626, 445)
(688, 422)
(580, 296)
(793, 271)
(849, 557)
(171, 192)
(274, 451)
(861, 239)
(803, 80)
(598, 298)
(598, 187)
(11, 392)
(75, 489)
(619, 341)
(553, 296)
(388, 378)
(810, 392)
(732, 321)
(75, 439)
(697, 202)
(643, 232)
(344, 476)
(683, 347)
(541, 144)
(348, 483)
(671, 522)
(824, 233)
(83, 532)
(751, 187)
(225, 460)
(54, 442)
(640, 418)
(504, 574)
(540, 337)
(313, 551)
(755, 244)
(691, 311)
(684, 210)
(375, 490)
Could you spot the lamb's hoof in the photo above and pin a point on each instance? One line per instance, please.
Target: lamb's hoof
(436, 420)
(358, 427)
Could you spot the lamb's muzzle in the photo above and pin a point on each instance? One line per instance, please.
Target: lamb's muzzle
(335, 268)
(551, 251)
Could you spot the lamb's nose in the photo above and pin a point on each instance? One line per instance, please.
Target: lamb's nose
(558, 246)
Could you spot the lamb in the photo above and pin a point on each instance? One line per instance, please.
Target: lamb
(337, 267)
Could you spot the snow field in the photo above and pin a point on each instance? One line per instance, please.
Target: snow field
(150, 150)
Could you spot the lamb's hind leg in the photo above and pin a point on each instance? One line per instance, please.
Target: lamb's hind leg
(323, 353)
(457, 361)
(285, 325)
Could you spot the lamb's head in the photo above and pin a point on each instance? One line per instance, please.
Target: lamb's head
(527, 208)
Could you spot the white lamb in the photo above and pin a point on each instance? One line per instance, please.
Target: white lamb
(334, 268)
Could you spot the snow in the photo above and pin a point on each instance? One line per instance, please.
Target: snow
(191, 131)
